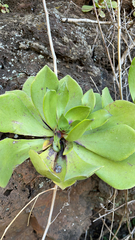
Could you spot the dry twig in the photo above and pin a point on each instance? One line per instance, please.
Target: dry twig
(110, 211)
(31, 211)
(114, 237)
(119, 50)
(127, 214)
(50, 38)
(50, 214)
(108, 227)
(55, 71)
(75, 20)
(114, 197)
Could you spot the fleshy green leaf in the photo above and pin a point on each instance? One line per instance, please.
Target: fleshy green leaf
(14, 152)
(120, 175)
(133, 3)
(63, 97)
(56, 142)
(77, 113)
(131, 79)
(115, 143)
(29, 104)
(78, 168)
(65, 184)
(63, 123)
(49, 162)
(101, 13)
(45, 79)
(41, 167)
(15, 117)
(123, 112)
(87, 8)
(98, 118)
(75, 92)
(49, 107)
(73, 124)
(60, 167)
(98, 105)
(27, 85)
(5, 5)
(111, 4)
(106, 97)
(89, 99)
(68, 148)
(49, 157)
(47, 143)
(78, 130)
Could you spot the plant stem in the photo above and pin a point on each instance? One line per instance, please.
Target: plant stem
(51, 211)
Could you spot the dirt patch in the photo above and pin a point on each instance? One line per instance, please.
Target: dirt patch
(24, 50)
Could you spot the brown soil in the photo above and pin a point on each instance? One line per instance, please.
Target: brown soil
(24, 50)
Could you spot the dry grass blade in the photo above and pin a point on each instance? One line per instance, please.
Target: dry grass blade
(102, 229)
(127, 214)
(128, 237)
(108, 228)
(31, 211)
(94, 84)
(114, 197)
(110, 211)
(114, 237)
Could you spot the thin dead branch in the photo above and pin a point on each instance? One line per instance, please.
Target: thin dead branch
(94, 84)
(31, 211)
(112, 19)
(107, 50)
(51, 211)
(55, 71)
(50, 38)
(114, 197)
(114, 237)
(119, 50)
(110, 211)
(102, 230)
(75, 20)
(128, 236)
(127, 214)
(108, 227)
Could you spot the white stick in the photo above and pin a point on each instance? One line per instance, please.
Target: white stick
(50, 214)
(74, 20)
(50, 38)
(119, 49)
(55, 71)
